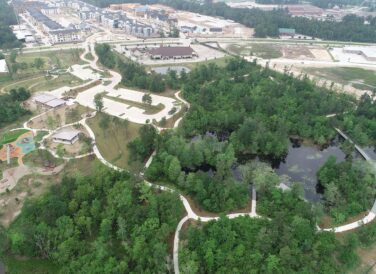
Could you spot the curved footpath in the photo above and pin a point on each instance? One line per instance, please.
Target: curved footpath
(115, 79)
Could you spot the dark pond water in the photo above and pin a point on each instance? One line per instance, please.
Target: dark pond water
(303, 162)
(300, 165)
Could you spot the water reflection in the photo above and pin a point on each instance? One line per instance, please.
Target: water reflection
(303, 162)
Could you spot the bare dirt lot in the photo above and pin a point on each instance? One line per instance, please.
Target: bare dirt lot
(57, 117)
(230, 28)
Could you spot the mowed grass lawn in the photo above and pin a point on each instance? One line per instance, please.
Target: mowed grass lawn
(43, 83)
(112, 142)
(35, 266)
(53, 59)
(345, 75)
(67, 79)
(61, 59)
(12, 136)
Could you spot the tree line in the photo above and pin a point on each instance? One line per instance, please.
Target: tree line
(257, 109)
(360, 122)
(11, 106)
(327, 4)
(7, 18)
(266, 23)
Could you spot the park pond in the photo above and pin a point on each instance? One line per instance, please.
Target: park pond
(304, 161)
(301, 164)
(165, 70)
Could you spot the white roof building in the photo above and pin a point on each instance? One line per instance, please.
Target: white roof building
(367, 52)
(49, 100)
(66, 136)
(3, 66)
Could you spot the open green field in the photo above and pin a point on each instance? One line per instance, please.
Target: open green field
(43, 83)
(359, 78)
(28, 74)
(53, 59)
(148, 109)
(112, 142)
(68, 80)
(11, 136)
(34, 266)
(265, 51)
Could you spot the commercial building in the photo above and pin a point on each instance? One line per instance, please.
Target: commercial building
(139, 30)
(3, 66)
(65, 36)
(216, 29)
(369, 53)
(172, 52)
(66, 136)
(41, 20)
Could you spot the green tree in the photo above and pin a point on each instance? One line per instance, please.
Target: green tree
(147, 99)
(98, 102)
(13, 56)
(38, 63)
(104, 122)
(60, 150)
(174, 169)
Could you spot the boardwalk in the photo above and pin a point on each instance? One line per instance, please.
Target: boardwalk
(358, 148)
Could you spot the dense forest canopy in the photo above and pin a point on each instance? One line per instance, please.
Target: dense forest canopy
(360, 123)
(349, 188)
(236, 113)
(108, 222)
(7, 18)
(259, 109)
(286, 243)
(325, 4)
(266, 23)
(181, 163)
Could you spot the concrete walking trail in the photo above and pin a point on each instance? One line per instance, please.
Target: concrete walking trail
(118, 105)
